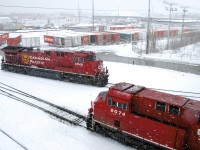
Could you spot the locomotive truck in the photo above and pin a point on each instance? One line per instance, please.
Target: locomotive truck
(73, 66)
(146, 119)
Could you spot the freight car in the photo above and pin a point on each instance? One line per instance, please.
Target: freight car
(146, 119)
(73, 66)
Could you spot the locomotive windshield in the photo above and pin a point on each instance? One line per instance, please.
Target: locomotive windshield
(91, 58)
(117, 104)
(78, 59)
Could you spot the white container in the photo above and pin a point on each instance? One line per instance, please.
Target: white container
(68, 41)
(76, 40)
(31, 42)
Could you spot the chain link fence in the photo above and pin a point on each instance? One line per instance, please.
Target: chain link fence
(177, 66)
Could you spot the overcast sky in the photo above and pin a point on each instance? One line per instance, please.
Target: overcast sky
(140, 6)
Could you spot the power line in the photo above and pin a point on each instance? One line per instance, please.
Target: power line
(176, 91)
(182, 93)
(67, 9)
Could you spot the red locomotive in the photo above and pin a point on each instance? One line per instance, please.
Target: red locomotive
(145, 118)
(73, 66)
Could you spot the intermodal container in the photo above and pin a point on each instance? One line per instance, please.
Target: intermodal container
(14, 41)
(108, 38)
(76, 40)
(135, 36)
(115, 37)
(57, 41)
(85, 39)
(49, 39)
(4, 37)
(92, 39)
(31, 42)
(68, 42)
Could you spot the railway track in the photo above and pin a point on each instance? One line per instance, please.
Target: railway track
(58, 112)
(13, 139)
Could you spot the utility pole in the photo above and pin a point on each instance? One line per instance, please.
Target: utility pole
(182, 29)
(148, 30)
(92, 15)
(171, 9)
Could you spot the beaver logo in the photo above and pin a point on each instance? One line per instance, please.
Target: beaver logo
(25, 59)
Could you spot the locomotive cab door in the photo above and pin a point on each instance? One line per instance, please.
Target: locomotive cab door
(116, 112)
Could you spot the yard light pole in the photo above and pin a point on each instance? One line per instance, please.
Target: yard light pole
(182, 29)
(92, 15)
(148, 30)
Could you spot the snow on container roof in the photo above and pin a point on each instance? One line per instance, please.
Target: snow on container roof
(129, 31)
(85, 25)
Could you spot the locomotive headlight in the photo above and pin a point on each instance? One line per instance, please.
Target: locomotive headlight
(198, 132)
(100, 66)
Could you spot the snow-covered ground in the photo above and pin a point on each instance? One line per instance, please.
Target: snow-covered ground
(37, 130)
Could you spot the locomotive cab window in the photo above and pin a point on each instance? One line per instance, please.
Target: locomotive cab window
(117, 104)
(103, 94)
(78, 59)
(160, 106)
(114, 103)
(173, 110)
(62, 54)
(125, 106)
(109, 101)
(47, 53)
(90, 58)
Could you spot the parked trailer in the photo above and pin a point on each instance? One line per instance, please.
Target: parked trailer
(85, 39)
(49, 39)
(15, 41)
(3, 38)
(64, 40)
(129, 35)
(76, 40)
(31, 42)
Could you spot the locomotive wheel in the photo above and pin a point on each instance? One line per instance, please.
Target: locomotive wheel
(142, 146)
(100, 130)
(89, 123)
(121, 140)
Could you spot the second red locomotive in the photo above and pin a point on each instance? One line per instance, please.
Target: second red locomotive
(145, 118)
(73, 66)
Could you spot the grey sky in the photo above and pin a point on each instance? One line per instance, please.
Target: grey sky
(157, 6)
